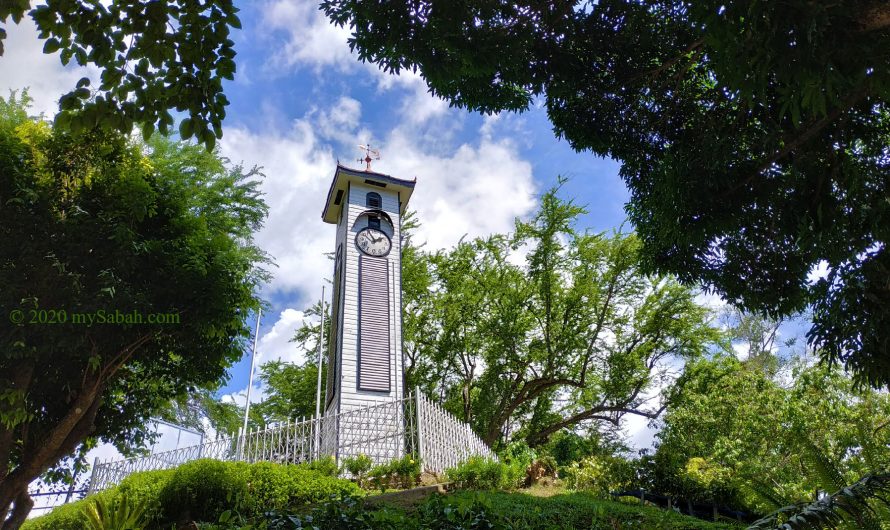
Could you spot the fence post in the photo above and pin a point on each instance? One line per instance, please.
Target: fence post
(418, 416)
(93, 476)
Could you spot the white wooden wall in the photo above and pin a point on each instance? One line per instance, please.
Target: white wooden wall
(350, 397)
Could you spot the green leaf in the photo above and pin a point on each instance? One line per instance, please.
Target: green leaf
(148, 129)
(186, 129)
(51, 45)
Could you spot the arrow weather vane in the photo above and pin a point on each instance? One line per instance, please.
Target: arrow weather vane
(370, 154)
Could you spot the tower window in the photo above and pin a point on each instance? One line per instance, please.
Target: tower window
(373, 200)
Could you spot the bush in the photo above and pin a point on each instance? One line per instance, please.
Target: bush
(599, 475)
(326, 466)
(480, 473)
(400, 473)
(276, 487)
(358, 467)
(66, 517)
(144, 489)
(139, 488)
(517, 457)
(118, 512)
(203, 489)
(491, 511)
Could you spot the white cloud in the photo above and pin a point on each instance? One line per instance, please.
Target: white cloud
(298, 170)
(819, 272)
(24, 65)
(311, 39)
(476, 190)
(710, 300)
(275, 345)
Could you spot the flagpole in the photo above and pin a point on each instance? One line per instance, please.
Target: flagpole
(256, 336)
(320, 341)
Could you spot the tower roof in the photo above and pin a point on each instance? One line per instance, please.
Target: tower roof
(344, 176)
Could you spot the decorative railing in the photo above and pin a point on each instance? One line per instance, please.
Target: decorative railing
(411, 425)
(444, 441)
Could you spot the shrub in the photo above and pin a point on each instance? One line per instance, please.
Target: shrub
(358, 467)
(599, 475)
(480, 473)
(116, 512)
(144, 488)
(66, 517)
(202, 489)
(140, 489)
(400, 473)
(490, 511)
(276, 487)
(326, 466)
(345, 514)
(517, 457)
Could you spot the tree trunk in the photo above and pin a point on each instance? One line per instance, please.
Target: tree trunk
(38, 456)
(23, 505)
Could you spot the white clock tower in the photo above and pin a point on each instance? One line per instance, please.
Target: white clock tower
(365, 348)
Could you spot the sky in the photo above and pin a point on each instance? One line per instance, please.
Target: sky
(301, 101)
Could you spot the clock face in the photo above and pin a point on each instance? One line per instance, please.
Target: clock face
(373, 242)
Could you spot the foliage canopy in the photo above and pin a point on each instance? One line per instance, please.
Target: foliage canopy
(153, 57)
(752, 135)
(547, 328)
(97, 223)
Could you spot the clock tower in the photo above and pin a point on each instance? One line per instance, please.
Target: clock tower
(365, 347)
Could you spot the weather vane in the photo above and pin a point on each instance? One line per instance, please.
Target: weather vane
(370, 154)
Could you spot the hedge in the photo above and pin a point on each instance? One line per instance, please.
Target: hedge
(202, 489)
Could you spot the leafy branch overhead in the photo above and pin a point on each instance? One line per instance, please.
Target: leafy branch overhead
(153, 57)
(752, 135)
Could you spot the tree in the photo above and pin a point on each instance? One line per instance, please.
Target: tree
(576, 335)
(127, 270)
(778, 445)
(752, 135)
(153, 57)
(200, 409)
(290, 391)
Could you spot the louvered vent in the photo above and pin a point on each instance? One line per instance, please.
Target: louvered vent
(373, 357)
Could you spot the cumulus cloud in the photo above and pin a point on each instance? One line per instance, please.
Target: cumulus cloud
(477, 190)
(24, 65)
(310, 40)
(275, 344)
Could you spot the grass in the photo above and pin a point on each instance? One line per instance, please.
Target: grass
(549, 508)
(546, 507)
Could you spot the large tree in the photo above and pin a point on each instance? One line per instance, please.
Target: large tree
(101, 225)
(154, 57)
(775, 441)
(752, 135)
(572, 335)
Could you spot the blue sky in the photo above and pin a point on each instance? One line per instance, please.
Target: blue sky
(301, 101)
(294, 67)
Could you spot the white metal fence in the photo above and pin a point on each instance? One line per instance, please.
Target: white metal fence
(444, 441)
(412, 425)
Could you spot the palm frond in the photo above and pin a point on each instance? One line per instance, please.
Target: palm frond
(848, 504)
(828, 475)
(765, 493)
